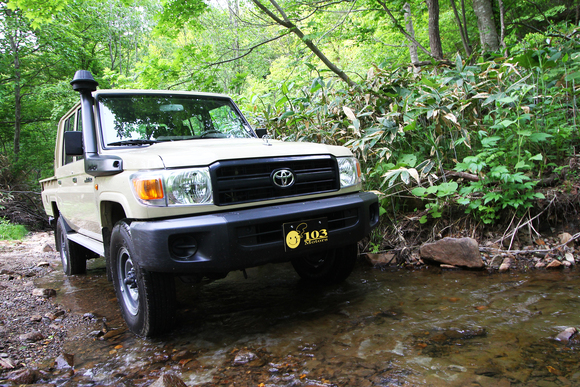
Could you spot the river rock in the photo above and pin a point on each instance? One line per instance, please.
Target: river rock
(566, 238)
(244, 356)
(46, 293)
(554, 264)
(381, 259)
(169, 380)
(454, 251)
(31, 336)
(64, 361)
(22, 376)
(505, 265)
(566, 334)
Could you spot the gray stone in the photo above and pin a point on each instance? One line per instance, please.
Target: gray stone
(566, 334)
(462, 252)
(244, 356)
(22, 376)
(46, 293)
(31, 336)
(169, 380)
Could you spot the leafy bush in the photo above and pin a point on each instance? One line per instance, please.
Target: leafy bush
(506, 122)
(11, 231)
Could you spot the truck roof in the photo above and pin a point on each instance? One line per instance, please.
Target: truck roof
(146, 91)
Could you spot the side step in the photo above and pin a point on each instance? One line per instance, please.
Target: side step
(87, 242)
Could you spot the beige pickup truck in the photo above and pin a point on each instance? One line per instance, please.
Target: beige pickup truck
(168, 184)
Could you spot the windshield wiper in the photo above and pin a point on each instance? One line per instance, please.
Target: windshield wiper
(133, 142)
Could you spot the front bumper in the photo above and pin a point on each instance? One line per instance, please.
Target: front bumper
(246, 238)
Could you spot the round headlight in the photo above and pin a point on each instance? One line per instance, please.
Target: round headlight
(189, 187)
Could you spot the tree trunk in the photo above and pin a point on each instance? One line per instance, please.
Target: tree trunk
(462, 30)
(434, 35)
(486, 25)
(502, 25)
(17, 97)
(413, 52)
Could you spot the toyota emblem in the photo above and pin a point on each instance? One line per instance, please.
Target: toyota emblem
(283, 178)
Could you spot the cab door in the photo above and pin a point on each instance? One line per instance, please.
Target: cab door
(76, 193)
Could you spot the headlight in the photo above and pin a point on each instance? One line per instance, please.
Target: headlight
(173, 188)
(349, 169)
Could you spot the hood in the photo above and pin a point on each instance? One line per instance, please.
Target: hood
(191, 153)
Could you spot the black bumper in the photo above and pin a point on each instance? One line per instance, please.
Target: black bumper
(246, 238)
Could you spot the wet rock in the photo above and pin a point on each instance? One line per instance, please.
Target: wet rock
(54, 315)
(244, 357)
(383, 259)
(454, 251)
(168, 380)
(113, 333)
(46, 293)
(6, 362)
(505, 265)
(22, 376)
(566, 334)
(31, 336)
(64, 361)
(180, 355)
(555, 264)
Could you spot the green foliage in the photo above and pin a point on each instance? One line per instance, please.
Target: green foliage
(507, 122)
(11, 231)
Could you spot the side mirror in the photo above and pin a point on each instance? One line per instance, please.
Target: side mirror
(261, 132)
(73, 143)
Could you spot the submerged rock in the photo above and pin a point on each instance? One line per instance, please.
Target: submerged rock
(169, 380)
(454, 251)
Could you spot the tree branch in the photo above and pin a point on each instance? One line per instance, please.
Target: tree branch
(248, 51)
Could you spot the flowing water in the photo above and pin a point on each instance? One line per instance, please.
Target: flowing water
(380, 328)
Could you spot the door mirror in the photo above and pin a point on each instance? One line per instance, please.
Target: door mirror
(261, 132)
(73, 143)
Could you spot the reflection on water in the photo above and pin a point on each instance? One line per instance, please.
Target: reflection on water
(379, 328)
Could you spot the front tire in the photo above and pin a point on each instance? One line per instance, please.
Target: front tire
(147, 299)
(332, 266)
(72, 256)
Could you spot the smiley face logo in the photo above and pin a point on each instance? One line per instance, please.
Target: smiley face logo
(293, 239)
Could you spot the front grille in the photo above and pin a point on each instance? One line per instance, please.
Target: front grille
(243, 181)
(271, 232)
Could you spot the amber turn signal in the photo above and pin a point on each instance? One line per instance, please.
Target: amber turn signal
(148, 189)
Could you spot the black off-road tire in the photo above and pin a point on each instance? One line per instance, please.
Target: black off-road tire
(72, 255)
(147, 299)
(332, 266)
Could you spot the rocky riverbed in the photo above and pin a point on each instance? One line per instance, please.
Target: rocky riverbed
(35, 326)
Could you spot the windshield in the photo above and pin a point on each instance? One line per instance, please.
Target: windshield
(140, 119)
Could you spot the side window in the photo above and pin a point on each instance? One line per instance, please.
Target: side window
(71, 125)
(79, 128)
(68, 126)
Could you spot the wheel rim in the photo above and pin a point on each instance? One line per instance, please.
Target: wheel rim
(63, 252)
(128, 282)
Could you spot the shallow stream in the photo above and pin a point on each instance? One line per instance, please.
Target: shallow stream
(380, 328)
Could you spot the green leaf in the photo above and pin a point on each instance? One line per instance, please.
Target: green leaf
(539, 137)
(419, 191)
(506, 123)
